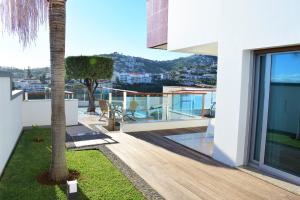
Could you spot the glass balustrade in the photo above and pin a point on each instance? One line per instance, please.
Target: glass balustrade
(145, 106)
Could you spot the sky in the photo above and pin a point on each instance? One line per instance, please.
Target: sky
(92, 27)
(286, 68)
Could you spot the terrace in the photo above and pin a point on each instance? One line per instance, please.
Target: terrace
(176, 107)
(163, 156)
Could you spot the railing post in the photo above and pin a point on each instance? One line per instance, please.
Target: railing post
(124, 102)
(109, 104)
(167, 107)
(148, 105)
(110, 98)
(26, 96)
(203, 103)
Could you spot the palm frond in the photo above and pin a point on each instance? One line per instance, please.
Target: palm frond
(23, 18)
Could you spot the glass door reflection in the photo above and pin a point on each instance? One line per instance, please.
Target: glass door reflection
(282, 146)
(276, 121)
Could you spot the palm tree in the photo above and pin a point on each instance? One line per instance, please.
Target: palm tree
(57, 21)
(23, 17)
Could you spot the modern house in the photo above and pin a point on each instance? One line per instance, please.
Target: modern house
(258, 81)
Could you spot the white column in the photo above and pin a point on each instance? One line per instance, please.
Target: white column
(203, 104)
(167, 107)
(26, 96)
(110, 98)
(148, 104)
(231, 134)
(124, 102)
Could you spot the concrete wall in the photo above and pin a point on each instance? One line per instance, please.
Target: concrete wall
(233, 28)
(38, 112)
(10, 119)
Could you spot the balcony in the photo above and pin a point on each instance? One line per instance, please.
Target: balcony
(174, 108)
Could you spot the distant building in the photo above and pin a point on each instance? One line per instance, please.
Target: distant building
(157, 77)
(30, 85)
(134, 78)
(35, 87)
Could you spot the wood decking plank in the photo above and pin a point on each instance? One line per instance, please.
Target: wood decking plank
(177, 172)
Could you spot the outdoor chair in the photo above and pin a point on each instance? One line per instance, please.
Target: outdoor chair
(130, 112)
(210, 113)
(104, 109)
(212, 110)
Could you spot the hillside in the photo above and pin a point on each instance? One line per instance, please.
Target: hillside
(124, 63)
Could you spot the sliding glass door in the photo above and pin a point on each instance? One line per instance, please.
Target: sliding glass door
(276, 121)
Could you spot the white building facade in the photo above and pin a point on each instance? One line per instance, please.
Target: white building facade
(258, 48)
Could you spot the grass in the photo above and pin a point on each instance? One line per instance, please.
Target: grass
(284, 139)
(99, 179)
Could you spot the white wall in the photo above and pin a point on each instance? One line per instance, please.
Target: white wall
(238, 27)
(10, 121)
(38, 112)
(193, 23)
(162, 125)
(245, 26)
(16, 114)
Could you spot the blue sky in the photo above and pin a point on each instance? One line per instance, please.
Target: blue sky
(93, 27)
(286, 68)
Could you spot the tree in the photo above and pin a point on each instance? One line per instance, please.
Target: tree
(23, 17)
(57, 22)
(29, 73)
(43, 78)
(89, 69)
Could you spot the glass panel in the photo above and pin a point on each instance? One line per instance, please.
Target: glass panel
(191, 104)
(260, 107)
(283, 131)
(148, 107)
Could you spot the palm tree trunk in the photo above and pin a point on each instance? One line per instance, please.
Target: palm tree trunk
(58, 167)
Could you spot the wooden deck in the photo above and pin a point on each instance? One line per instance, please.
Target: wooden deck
(180, 173)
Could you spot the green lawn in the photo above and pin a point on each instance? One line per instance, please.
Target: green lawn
(99, 179)
(283, 139)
